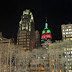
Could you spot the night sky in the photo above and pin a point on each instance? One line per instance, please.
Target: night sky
(57, 13)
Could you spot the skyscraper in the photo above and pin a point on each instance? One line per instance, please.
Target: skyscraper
(46, 36)
(26, 32)
(66, 31)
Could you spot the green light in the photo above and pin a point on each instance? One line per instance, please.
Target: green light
(46, 25)
(48, 31)
(43, 31)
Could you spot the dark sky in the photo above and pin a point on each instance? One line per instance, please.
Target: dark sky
(57, 13)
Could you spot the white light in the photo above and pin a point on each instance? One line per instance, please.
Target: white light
(71, 52)
(46, 48)
(44, 57)
(71, 48)
(70, 32)
(38, 57)
(65, 56)
(70, 29)
(66, 32)
(63, 30)
(68, 60)
(70, 38)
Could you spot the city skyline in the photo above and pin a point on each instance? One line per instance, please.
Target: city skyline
(55, 16)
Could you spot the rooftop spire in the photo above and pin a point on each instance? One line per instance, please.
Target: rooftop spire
(46, 19)
(46, 24)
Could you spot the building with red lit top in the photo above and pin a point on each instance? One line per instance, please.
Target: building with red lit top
(46, 33)
(46, 36)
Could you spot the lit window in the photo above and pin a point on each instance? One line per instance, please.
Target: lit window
(68, 60)
(65, 56)
(71, 52)
(70, 32)
(67, 35)
(65, 67)
(67, 48)
(71, 35)
(38, 57)
(71, 48)
(28, 39)
(63, 30)
(69, 67)
(69, 26)
(68, 52)
(26, 26)
(70, 38)
(70, 29)
(66, 32)
(44, 57)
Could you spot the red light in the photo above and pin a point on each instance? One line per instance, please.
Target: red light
(46, 35)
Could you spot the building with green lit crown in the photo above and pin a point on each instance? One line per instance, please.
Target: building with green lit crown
(46, 36)
(26, 32)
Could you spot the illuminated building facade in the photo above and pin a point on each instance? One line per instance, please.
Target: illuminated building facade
(46, 33)
(68, 55)
(46, 36)
(26, 32)
(66, 31)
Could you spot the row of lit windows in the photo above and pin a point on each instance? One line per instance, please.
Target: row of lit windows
(69, 56)
(67, 49)
(67, 33)
(28, 33)
(66, 67)
(68, 39)
(67, 30)
(67, 26)
(68, 52)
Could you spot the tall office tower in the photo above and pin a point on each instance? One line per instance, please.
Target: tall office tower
(26, 32)
(66, 31)
(46, 36)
